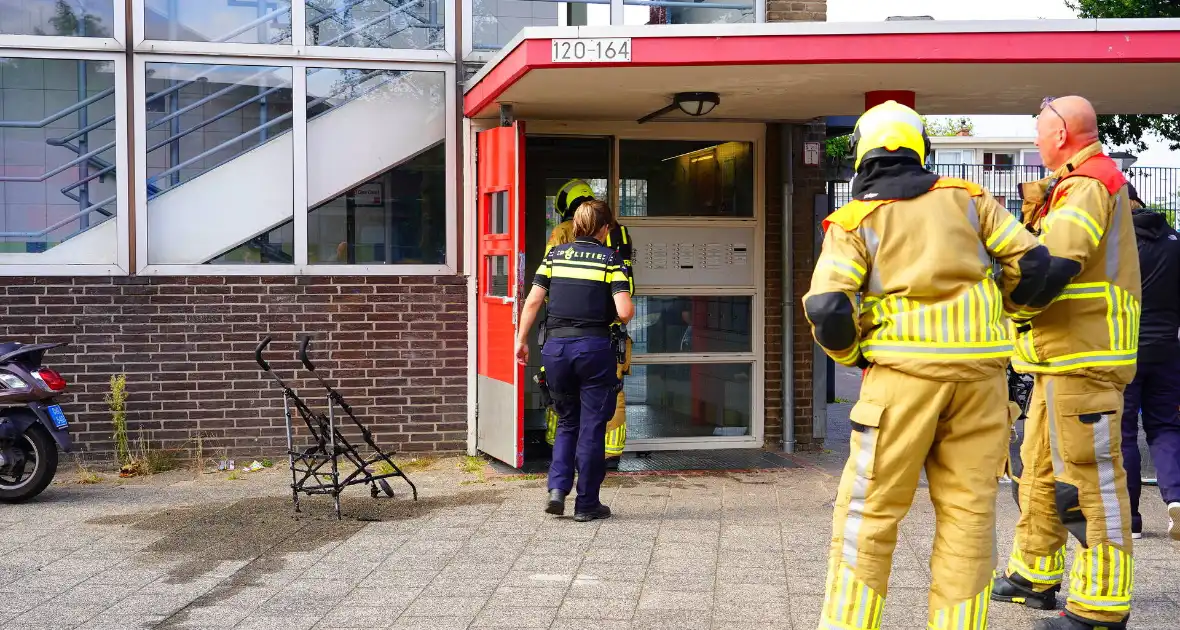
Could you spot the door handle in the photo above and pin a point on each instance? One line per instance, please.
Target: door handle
(508, 300)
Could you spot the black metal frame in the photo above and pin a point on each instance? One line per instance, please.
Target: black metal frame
(307, 466)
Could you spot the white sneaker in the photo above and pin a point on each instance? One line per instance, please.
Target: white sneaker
(1174, 520)
(1136, 535)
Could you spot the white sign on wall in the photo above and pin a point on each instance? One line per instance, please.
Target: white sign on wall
(811, 153)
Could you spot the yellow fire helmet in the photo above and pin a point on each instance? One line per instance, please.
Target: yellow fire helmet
(570, 196)
(890, 129)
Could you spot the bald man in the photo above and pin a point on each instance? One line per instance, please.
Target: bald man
(1079, 340)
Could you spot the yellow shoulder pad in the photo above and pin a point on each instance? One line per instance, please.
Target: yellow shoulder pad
(850, 215)
(974, 189)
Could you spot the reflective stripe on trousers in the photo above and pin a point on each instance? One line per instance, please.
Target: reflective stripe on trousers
(1073, 483)
(850, 604)
(967, 615)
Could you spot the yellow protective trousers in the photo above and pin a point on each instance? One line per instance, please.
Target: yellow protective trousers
(958, 432)
(616, 428)
(1073, 482)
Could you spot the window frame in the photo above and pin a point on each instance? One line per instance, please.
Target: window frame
(299, 138)
(115, 43)
(25, 264)
(470, 55)
(298, 48)
(726, 131)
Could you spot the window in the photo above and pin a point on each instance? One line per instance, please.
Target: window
(684, 400)
(998, 162)
(944, 156)
(1031, 158)
(60, 171)
(683, 178)
(497, 276)
(499, 212)
(219, 164)
(235, 177)
(496, 22)
(699, 324)
(376, 23)
(642, 12)
(228, 21)
(87, 18)
(398, 217)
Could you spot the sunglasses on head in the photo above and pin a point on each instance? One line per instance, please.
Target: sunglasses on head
(1047, 103)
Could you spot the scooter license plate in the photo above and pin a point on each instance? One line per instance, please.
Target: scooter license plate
(59, 417)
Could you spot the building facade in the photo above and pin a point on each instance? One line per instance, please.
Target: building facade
(179, 178)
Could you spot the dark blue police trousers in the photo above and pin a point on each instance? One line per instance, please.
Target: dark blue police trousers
(582, 378)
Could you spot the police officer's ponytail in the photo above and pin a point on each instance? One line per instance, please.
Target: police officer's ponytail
(592, 217)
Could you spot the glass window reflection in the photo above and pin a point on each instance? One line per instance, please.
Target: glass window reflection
(682, 178)
(221, 21)
(701, 324)
(77, 18)
(413, 24)
(688, 400)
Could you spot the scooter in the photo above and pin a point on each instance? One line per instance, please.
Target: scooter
(32, 424)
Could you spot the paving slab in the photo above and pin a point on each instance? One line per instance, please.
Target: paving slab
(723, 551)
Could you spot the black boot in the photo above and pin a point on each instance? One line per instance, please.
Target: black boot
(556, 505)
(1017, 590)
(1070, 621)
(599, 512)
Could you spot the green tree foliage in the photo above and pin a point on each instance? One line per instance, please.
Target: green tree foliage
(938, 127)
(1132, 130)
(66, 23)
(840, 147)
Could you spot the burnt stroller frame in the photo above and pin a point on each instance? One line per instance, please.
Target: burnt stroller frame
(308, 466)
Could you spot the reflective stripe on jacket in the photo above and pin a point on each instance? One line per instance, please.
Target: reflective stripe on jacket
(1092, 328)
(931, 305)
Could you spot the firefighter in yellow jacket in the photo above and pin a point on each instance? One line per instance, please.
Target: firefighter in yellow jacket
(932, 335)
(1081, 349)
(569, 197)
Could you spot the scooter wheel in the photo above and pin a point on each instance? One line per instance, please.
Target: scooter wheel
(385, 487)
(38, 444)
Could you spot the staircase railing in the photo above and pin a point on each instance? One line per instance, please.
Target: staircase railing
(94, 168)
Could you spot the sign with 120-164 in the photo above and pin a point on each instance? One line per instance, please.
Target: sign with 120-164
(616, 50)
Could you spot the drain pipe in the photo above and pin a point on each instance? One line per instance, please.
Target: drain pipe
(787, 169)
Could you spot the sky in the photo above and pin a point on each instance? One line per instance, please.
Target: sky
(1157, 153)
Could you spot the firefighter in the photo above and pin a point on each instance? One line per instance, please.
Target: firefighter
(1081, 349)
(588, 289)
(569, 197)
(930, 331)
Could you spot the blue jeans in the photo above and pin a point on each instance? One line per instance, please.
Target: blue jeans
(582, 378)
(1156, 393)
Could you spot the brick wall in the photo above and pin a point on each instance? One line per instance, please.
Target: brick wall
(808, 182)
(795, 11)
(396, 347)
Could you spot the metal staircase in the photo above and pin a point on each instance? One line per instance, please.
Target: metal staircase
(91, 167)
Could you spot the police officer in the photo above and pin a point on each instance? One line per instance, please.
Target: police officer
(589, 288)
(929, 327)
(569, 197)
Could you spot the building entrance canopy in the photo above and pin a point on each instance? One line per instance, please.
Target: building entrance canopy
(801, 71)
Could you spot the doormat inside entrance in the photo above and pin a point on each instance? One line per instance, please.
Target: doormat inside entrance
(672, 461)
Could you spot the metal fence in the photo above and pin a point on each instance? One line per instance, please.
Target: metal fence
(1158, 187)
